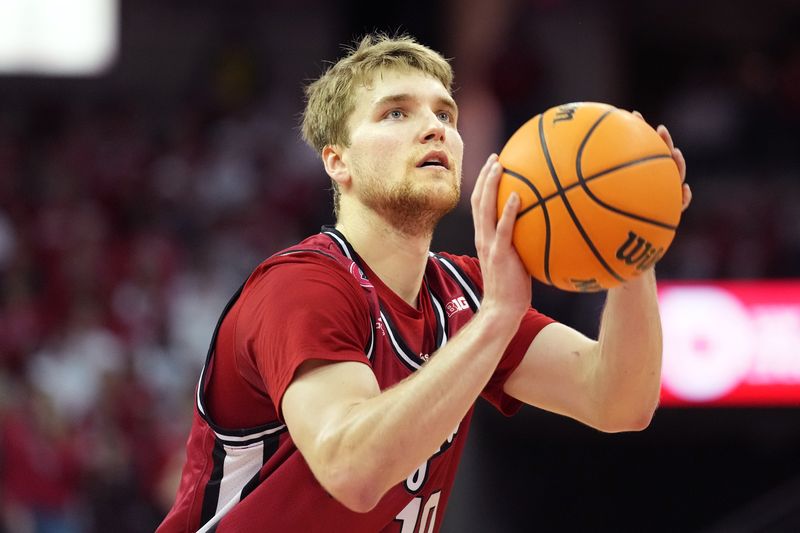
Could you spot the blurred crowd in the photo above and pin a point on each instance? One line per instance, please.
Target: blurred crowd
(122, 236)
(125, 227)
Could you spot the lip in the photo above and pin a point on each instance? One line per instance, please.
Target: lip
(437, 155)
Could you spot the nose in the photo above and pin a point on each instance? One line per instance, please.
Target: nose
(433, 129)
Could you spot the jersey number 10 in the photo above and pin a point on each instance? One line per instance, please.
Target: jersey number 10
(415, 512)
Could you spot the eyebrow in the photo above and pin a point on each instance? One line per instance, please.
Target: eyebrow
(405, 97)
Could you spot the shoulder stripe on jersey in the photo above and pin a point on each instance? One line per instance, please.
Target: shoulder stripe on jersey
(457, 274)
(347, 250)
(305, 251)
(341, 241)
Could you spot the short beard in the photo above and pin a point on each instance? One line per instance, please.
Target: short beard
(411, 212)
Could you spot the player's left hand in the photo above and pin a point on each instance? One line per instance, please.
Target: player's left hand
(677, 156)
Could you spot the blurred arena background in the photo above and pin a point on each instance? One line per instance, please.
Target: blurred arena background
(134, 200)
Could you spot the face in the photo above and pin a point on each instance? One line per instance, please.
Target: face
(405, 152)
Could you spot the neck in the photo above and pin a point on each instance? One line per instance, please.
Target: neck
(398, 258)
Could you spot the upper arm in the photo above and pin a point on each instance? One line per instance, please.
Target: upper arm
(318, 399)
(556, 373)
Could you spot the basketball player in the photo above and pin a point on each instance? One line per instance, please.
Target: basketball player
(340, 383)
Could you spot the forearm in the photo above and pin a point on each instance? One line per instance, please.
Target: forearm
(628, 372)
(380, 441)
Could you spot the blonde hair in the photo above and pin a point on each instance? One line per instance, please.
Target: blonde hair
(330, 100)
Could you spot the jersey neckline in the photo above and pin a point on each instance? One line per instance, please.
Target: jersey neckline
(412, 360)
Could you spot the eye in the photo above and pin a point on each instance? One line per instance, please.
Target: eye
(445, 116)
(395, 114)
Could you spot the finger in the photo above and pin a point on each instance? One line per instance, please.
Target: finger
(687, 197)
(677, 156)
(638, 115)
(489, 195)
(664, 133)
(505, 227)
(483, 227)
(476, 191)
(475, 200)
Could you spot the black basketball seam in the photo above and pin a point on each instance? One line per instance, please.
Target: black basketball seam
(597, 200)
(567, 205)
(600, 174)
(532, 187)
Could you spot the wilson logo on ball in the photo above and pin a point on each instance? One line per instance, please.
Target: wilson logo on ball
(637, 251)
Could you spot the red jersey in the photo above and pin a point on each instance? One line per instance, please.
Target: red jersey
(319, 300)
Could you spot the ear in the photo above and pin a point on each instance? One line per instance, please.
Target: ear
(334, 164)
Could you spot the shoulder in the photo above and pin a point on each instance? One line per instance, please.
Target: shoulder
(302, 274)
(283, 301)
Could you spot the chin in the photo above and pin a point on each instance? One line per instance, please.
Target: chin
(447, 199)
(441, 204)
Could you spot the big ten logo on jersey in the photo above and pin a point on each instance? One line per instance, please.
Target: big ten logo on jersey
(455, 305)
(637, 250)
(422, 510)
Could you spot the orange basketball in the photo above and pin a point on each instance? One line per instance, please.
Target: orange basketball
(600, 195)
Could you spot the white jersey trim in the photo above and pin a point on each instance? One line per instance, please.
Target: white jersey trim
(461, 281)
(342, 243)
(440, 311)
(408, 359)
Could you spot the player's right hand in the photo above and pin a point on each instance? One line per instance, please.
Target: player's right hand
(506, 282)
